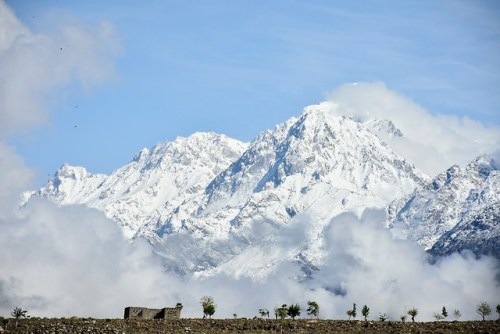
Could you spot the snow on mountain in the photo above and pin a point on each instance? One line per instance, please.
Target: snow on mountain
(311, 163)
(383, 128)
(155, 181)
(459, 209)
(318, 165)
(210, 204)
(207, 198)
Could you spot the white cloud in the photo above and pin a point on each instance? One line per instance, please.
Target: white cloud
(15, 178)
(73, 261)
(34, 65)
(64, 261)
(433, 142)
(368, 266)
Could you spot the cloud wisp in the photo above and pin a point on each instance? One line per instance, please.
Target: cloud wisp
(433, 142)
(34, 66)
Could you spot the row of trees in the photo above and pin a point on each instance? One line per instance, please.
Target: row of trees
(483, 309)
(294, 310)
(291, 311)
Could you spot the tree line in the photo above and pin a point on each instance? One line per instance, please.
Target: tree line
(294, 310)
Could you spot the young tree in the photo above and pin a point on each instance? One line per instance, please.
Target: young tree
(444, 313)
(382, 317)
(281, 312)
(413, 313)
(294, 311)
(365, 311)
(498, 310)
(18, 313)
(313, 308)
(210, 310)
(483, 309)
(352, 312)
(457, 314)
(263, 312)
(403, 318)
(438, 316)
(208, 305)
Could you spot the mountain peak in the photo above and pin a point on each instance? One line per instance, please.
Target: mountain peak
(199, 148)
(73, 172)
(483, 165)
(287, 169)
(384, 128)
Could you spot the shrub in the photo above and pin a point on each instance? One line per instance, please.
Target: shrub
(263, 312)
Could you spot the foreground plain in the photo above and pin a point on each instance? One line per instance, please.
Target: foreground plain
(246, 326)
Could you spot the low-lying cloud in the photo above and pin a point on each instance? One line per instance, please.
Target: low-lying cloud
(365, 264)
(71, 260)
(432, 141)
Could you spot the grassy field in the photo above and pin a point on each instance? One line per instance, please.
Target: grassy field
(247, 326)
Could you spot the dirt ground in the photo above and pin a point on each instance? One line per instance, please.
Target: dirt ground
(244, 326)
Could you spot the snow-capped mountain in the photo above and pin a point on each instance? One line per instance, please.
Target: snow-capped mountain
(156, 181)
(207, 198)
(318, 164)
(209, 204)
(459, 209)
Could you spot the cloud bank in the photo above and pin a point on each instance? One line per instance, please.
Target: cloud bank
(365, 264)
(65, 261)
(432, 141)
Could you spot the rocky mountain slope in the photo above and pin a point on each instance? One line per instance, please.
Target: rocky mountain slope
(156, 181)
(459, 209)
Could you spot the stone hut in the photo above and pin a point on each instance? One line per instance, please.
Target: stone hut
(133, 312)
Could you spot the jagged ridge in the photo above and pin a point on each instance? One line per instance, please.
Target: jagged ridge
(459, 209)
(221, 205)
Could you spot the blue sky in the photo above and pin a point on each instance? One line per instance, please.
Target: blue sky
(240, 67)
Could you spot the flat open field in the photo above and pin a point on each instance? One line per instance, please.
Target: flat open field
(246, 326)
